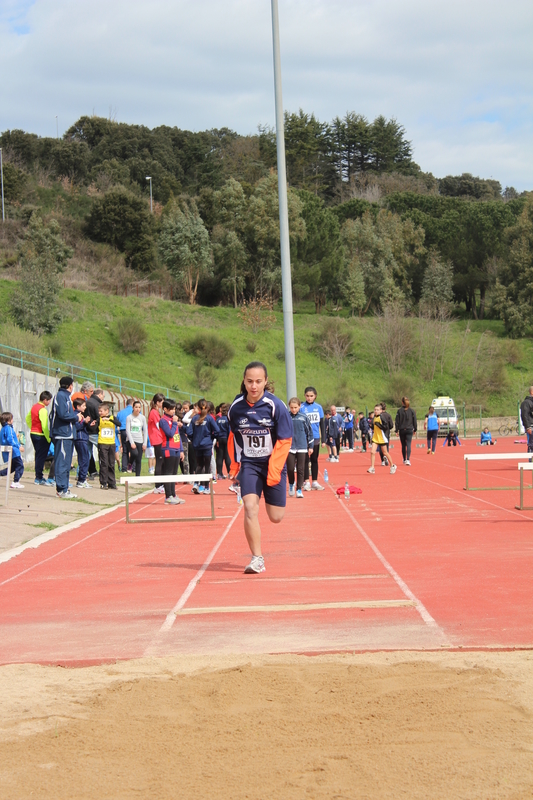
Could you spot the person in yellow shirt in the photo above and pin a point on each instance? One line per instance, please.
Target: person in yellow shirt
(380, 439)
(37, 422)
(106, 447)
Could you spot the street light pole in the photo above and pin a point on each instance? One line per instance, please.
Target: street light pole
(148, 178)
(286, 283)
(2, 182)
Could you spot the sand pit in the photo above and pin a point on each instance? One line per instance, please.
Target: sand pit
(349, 726)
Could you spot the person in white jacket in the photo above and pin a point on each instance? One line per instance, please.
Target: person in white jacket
(137, 435)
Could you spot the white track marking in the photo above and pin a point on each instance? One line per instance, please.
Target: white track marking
(171, 616)
(305, 578)
(66, 549)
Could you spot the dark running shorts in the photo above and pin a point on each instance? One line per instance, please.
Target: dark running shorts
(253, 480)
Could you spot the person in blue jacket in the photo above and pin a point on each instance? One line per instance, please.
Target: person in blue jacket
(303, 442)
(9, 438)
(348, 428)
(202, 430)
(315, 414)
(62, 424)
(171, 449)
(222, 455)
(432, 430)
(486, 437)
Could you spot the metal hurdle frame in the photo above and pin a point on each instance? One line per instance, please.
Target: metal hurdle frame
(168, 479)
(521, 468)
(7, 448)
(492, 457)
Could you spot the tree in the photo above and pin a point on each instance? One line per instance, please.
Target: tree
(184, 247)
(124, 221)
(437, 287)
(43, 257)
(231, 258)
(354, 287)
(513, 293)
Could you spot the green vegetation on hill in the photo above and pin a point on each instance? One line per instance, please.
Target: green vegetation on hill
(479, 365)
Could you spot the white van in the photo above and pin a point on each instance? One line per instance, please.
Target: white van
(447, 414)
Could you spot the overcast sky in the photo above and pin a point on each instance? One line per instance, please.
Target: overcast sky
(458, 75)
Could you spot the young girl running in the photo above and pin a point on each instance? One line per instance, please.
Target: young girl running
(259, 442)
(379, 439)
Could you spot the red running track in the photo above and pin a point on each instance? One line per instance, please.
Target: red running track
(414, 562)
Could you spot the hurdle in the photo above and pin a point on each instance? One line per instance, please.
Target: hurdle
(522, 468)
(525, 457)
(144, 479)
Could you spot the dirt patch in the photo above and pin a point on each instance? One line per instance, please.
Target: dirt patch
(368, 726)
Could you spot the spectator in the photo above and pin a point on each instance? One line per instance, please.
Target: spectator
(486, 437)
(37, 422)
(137, 435)
(93, 404)
(81, 444)
(122, 416)
(526, 413)
(405, 426)
(9, 438)
(106, 446)
(63, 420)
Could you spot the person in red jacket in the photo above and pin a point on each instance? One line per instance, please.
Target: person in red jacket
(155, 435)
(37, 422)
(259, 443)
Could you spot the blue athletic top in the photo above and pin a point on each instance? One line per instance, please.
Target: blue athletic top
(348, 422)
(256, 428)
(433, 422)
(314, 414)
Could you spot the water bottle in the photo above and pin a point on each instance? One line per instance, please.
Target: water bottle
(239, 498)
(326, 479)
(346, 491)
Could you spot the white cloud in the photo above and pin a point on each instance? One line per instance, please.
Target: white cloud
(457, 75)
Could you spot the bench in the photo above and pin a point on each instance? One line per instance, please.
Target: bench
(492, 457)
(147, 479)
(522, 468)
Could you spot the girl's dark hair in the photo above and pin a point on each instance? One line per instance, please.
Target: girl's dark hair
(310, 389)
(5, 418)
(156, 399)
(203, 405)
(136, 403)
(254, 365)
(168, 405)
(210, 407)
(406, 402)
(224, 408)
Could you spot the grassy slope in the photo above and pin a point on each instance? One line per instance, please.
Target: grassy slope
(86, 338)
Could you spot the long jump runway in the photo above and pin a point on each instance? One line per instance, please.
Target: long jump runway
(414, 562)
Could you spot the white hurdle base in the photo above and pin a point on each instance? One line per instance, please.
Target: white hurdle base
(169, 479)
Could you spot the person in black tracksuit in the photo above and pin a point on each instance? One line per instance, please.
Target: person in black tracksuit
(526, 413)
(364, 427)
(387, 425)
(222, 455)
(405, 426)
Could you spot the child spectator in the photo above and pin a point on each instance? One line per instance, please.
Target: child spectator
(451, 438)
(171, 449)
(106, 447)
(81, 443)
(201, 432)
(9, 438)
(222, 442)
(348, 429)
(37, 422)
(122, 416)
(303, 442)
(486, 437)
(137, 435)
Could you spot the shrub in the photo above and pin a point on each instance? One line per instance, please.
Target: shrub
(334, 343)
(132, 335)
(56, 347)
(210, 349)
(205, 376)
(251, 346)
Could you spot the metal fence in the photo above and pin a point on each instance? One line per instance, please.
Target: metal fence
(51, 367)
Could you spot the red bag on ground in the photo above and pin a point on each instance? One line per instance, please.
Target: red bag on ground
(353, 490)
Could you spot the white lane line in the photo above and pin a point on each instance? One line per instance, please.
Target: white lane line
(74, 544)
(171, 616)
(296, 607)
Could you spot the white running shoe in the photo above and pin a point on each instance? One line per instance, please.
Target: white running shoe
(83, 485)
(174, 501)
(350, 450)
(17, 485)
(317, 487)
(256, 565)
(393, 469)
(371, 470)
(307, 486)
(159, 490)
(291, 490)
(151, 471)
(67, 495)
(407, 463)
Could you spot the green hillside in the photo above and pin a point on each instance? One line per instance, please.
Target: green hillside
(480, 365)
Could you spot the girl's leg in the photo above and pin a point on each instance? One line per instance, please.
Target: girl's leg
(167, 468)
(429, 442)
(158, 462)
(408, 440)
(373, 454)
(433, 441)
(137, 457)
(291, 459)
(404, 445)
(252, 529)
(314, 463)
(386, 454)
(300, 464)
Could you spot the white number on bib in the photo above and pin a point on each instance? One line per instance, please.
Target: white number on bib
(108, 433)
(257, 444)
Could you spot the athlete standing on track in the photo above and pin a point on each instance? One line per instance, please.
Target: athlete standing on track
(315, 414)
(259, 442)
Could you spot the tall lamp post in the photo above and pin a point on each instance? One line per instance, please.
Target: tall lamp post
(148, 178)
(2, 182)
(286, 283)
